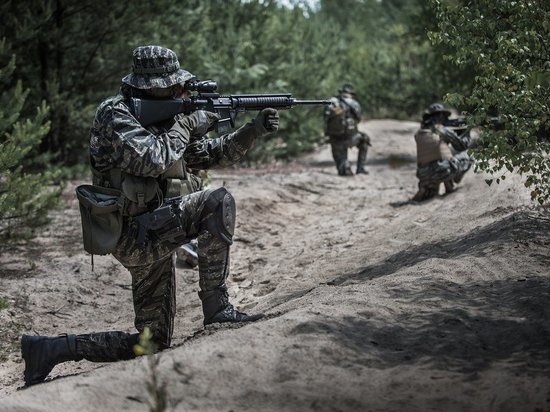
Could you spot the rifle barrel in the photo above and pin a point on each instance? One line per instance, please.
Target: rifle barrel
(313, 102)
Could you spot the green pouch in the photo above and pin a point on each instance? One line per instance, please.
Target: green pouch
(101, 218)
(140, 190)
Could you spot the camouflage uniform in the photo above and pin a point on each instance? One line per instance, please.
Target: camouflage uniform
(437, 161)
(341, 140)
(150, 166)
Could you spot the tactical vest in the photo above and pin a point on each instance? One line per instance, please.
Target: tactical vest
(429, 147)
(141, 194)
(145, 193)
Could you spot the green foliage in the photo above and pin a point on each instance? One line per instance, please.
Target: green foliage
(156, 389)
(508, 41)
(25, 197)
(4, 304)
(69, 53)
(75, 54)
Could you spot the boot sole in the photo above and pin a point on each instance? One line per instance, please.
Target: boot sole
(250, 318)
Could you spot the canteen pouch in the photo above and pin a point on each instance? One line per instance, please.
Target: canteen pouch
(101, 218)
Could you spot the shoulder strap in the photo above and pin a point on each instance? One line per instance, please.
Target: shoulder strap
(349, 107)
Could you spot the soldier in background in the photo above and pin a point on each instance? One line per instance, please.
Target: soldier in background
(154, 168)
(342, 119)
(442, 155)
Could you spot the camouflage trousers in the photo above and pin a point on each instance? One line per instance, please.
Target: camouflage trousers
(152, 266)
(448, 172)
(340, 148)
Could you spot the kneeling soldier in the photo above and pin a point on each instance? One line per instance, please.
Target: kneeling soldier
(442, 154)
(163, 208)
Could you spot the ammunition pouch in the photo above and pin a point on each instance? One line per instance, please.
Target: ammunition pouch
(139, 192)
(179, 182)
(101, 218)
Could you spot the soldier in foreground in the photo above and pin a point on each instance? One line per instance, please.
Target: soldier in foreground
(161, 208)
(342, 119)
(442, 155)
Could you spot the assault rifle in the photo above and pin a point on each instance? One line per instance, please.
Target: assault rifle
(460, 124)
(149, 112)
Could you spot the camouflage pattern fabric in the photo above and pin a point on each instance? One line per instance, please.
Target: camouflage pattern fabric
(119, 141)
(106, 346)
(459, 143)
(442, 171)
(340, 148)
(341, 143)
(446, 171)
(155, 66)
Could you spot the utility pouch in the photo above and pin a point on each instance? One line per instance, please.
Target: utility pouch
(140, 190)
(101, 218)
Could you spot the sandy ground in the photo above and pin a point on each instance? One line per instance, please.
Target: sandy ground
(374, 303)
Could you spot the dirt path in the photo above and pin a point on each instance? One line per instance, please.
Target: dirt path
(373, 302)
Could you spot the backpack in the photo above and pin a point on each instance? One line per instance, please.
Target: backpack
(338, 121)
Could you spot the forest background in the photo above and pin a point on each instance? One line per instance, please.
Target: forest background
(60, 58)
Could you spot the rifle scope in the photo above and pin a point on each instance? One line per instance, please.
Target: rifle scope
(204, 86)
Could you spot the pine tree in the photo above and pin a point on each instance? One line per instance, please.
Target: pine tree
(25, 197)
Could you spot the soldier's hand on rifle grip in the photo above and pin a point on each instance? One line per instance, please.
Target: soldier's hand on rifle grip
(207, 121)
(197, 123)
(267, 121)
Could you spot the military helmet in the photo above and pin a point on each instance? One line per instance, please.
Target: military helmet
(347, 88)
(155, 66)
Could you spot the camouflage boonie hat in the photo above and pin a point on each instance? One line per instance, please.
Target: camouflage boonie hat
(436, 108)
(347, 88)
(155, 66)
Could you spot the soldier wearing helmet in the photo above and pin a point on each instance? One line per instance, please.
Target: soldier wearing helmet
(442, 155)
(154, 168)
(341, 121)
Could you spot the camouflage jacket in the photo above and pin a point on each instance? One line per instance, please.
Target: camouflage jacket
(119, 143)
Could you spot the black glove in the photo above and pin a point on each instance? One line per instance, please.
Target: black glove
(267, 121)
(197, 123)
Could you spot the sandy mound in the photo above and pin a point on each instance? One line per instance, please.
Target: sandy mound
(373, 302)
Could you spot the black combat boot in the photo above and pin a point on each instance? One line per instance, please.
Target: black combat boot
(42, 353)
(362, 159)
(425, 193)
(344, 169)
(217, 309)
(449, 186)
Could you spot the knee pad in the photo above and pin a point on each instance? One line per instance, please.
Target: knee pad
(218, 216)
